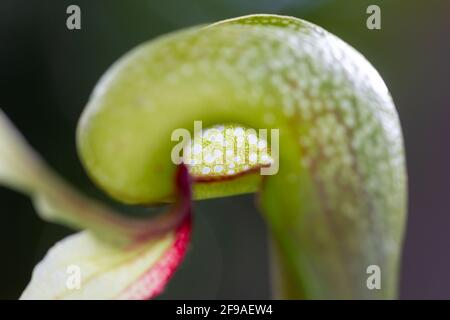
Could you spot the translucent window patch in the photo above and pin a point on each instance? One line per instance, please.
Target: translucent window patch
(227, 150)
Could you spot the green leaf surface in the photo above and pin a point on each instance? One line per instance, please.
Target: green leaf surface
(338, 202)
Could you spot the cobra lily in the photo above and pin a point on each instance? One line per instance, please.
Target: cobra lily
(335, 206)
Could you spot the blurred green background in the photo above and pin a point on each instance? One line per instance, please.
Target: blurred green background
(47, 73)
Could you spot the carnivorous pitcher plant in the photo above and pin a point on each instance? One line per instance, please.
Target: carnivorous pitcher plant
(335, 206)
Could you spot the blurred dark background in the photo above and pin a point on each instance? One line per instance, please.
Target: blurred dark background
(47, 73)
